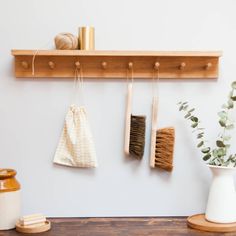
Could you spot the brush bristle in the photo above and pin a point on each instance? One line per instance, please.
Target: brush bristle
(165, 139)
(137, 136)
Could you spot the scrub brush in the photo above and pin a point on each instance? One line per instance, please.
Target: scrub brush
(162, 141)
(135, 127)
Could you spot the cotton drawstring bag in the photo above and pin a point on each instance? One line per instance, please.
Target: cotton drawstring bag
(76, 147)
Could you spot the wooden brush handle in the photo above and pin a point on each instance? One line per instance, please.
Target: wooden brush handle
(127, 119)
(154, 113)
(154, 131)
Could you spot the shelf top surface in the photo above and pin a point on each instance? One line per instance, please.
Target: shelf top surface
(116, 53)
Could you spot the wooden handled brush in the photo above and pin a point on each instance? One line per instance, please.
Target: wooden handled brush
(162, 142)
(154, 131)
(127, 119)
(134, 130)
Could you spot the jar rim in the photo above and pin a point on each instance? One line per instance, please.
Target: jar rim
(7, 173)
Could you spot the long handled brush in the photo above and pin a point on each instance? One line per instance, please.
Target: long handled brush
(162, 142)
(134, 129)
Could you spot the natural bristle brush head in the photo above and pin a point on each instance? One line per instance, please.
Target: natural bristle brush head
(164, 150)
(137, 136)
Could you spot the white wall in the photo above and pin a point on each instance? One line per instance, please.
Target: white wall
(32, 111)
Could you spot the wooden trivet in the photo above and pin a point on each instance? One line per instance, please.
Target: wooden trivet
(32, 229)
(199, 222)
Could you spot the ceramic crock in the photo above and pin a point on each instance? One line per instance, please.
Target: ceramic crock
(9, 199)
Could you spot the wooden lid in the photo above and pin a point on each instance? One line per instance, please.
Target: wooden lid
(8, 181)
(199, 222)
(33, 229)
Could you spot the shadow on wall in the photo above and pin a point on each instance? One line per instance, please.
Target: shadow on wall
(75, 170)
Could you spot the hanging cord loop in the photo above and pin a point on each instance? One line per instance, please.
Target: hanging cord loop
(34, 57)
(78, 86)
(33, 61)
(129, 73)
(130, 80)
(155, 80)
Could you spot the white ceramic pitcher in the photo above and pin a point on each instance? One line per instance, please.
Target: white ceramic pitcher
(221, 205)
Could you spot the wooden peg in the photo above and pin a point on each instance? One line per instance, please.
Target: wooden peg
(208, 66)
(104, 65)
(25, 64)
(182, 66)
(77, 64)
(156, 65)
(130, 65)
(51, 65)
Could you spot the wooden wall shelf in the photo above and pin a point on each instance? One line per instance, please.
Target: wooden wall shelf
(113, 64)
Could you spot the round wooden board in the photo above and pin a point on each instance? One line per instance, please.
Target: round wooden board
(33, 229)
(199, 222)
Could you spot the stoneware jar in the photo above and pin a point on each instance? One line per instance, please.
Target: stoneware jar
(9, 199)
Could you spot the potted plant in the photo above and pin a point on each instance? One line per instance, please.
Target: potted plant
(221, 205)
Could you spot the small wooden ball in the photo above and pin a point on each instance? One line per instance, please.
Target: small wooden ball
(66, 41)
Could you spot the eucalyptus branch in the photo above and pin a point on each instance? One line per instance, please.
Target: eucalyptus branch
(200, 134)
(219, 154)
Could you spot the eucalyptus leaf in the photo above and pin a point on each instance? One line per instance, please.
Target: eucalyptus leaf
(194, 125)
(199, 136)
(225, 106)
(181, 108)
(233, 98)
(226, 138)
(222, 123)
(206, 150)
(185, 108)
(200, 144)
(215, 153)
(228, 127)
(222, 114)
(230, 157)
(187, 115)
(194, 119)
(221, 152)
(221, 162)
(207, 157)
(230, 104)
(233, 85)
(191, 110)
(219, 143)
(226, 163)
(201, 128)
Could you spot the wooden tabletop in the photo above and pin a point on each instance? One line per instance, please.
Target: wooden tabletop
(118, 226)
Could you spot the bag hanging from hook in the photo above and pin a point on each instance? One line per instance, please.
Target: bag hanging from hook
(76, 146)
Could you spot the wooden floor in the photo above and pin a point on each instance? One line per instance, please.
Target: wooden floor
(118, 226)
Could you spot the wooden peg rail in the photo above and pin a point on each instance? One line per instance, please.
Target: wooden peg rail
(114, 64)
